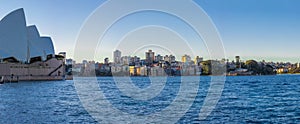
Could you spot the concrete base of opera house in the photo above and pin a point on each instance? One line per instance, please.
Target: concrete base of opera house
(52, 69)
(30, 78)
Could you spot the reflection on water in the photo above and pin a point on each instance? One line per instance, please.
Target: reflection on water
(253, 99)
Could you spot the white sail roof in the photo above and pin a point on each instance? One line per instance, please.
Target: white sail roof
(33, 40)
(13, 36)
(47, 45)
(22, 42)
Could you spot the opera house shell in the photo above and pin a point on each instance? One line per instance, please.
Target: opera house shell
(23, 52)
(22, 42)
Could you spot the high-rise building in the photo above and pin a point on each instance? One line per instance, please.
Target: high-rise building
(117, 56)
(150, 57)
(169, 58)
(186, 58)
(136, 60)
(237, 61)
(158, 58)
(125, 60)
(172, 58)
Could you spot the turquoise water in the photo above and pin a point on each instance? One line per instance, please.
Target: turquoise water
(249, 99)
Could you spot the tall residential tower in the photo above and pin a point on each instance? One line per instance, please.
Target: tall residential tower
(117, 56)
(150, 56)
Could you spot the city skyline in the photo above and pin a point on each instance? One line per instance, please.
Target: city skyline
(151, 56)
(167, 65)
(261, 30)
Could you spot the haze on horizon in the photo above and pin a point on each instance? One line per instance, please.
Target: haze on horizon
(252, 29)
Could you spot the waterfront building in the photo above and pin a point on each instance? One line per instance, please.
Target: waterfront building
(135, 60)
(131, 70)
(154, 71)
(172, 58)
(186, 59)
(89, 69)
(198, 60)
(143, 62)
(116, 68)
(150, 55)
(117, 56)
(131, 61)
(282, 70)
(188, 70)
(76, 68)
(143, 71)
(231, 66)
(125, 68)
(169, 58)
(158, 58)
(135, 70)
(125, 60)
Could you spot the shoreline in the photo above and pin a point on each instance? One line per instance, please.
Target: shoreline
(192, 75)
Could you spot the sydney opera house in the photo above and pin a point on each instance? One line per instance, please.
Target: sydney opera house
(24, 54)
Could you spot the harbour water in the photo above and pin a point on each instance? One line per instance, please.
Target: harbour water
(247, 99)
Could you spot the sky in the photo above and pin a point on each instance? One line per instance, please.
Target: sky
(252, 29)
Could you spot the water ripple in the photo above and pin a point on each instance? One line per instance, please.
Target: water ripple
(248, 99)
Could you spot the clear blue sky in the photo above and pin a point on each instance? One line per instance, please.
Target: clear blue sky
(259, 29)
